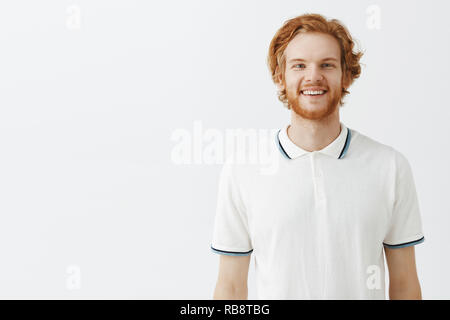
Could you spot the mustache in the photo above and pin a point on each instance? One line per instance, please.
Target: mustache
(307, 88)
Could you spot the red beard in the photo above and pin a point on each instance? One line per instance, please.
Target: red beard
(332, 101)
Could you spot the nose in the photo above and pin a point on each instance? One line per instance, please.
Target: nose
(313, 74)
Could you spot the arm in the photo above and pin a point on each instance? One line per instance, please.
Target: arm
(403, 281)
(232, 279)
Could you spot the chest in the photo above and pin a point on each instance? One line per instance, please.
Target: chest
(315, 199)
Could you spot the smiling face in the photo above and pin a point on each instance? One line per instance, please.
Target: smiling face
(313, 75)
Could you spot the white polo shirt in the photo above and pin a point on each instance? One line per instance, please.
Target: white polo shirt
(318, 224)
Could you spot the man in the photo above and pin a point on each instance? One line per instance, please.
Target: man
(318, 226)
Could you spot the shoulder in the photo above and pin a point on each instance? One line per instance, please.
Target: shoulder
(381, 157)
(374, 149)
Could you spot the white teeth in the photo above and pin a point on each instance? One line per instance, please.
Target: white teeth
(309, 92)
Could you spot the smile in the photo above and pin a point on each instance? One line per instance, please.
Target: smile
(313, 93)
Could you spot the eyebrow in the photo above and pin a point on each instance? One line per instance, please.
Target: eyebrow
(325, 59)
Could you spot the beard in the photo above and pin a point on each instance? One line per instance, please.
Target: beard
(314, 110)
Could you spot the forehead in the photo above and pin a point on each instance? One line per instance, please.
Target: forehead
(312, 46)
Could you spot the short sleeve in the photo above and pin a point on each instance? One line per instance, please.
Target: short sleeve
(231, 235)
(405, 228)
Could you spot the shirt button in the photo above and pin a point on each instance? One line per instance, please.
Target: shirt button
(320, 204)
(321, 197)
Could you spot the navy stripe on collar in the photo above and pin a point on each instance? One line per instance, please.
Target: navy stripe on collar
(342, 154)
(283, 152)
(346, 144)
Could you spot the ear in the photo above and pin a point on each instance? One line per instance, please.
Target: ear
(279, 80)
(279, 83)
(280, 86)
(346, 81)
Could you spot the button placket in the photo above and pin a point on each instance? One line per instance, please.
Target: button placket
(320, 186)
(320, 211)
(313, 174)
(317, 175)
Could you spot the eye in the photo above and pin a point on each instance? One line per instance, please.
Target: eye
(300, 64)
(327, 65)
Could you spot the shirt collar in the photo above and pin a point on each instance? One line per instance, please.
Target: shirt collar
(336, 149)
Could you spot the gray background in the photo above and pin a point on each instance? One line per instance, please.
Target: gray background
(91, 203)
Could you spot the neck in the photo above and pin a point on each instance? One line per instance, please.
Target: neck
(313, 135)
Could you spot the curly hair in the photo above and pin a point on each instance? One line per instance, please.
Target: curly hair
(313, 23)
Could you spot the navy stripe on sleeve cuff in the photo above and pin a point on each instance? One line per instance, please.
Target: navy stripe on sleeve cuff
(231, 253)
(406, 244)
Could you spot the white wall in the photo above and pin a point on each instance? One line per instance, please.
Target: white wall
(92, 203)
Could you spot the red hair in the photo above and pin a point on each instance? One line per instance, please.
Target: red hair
(276, 59)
